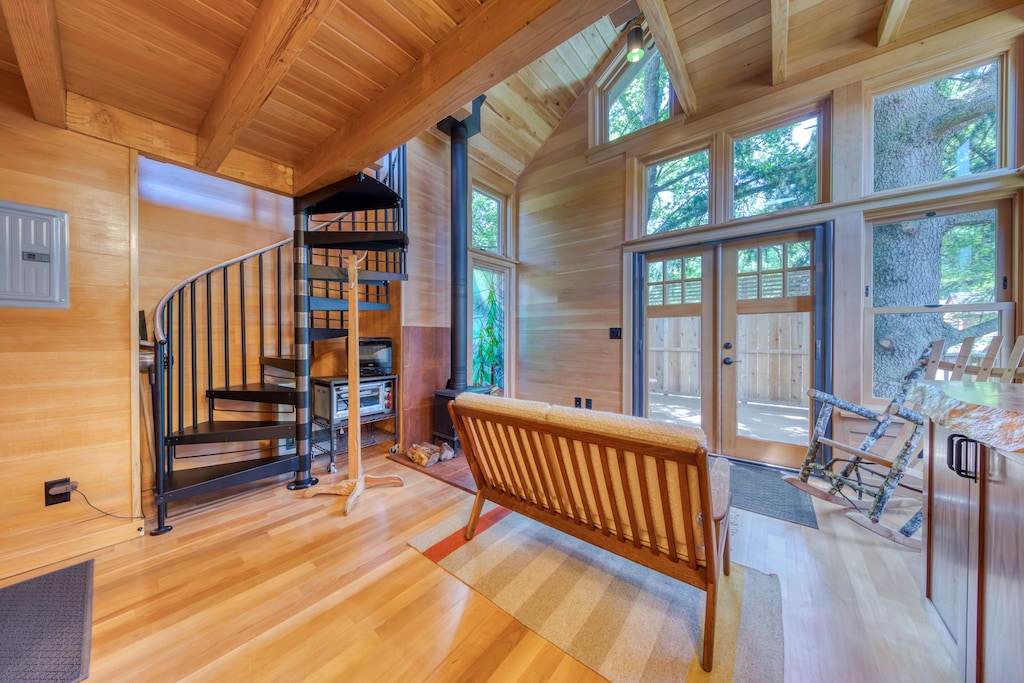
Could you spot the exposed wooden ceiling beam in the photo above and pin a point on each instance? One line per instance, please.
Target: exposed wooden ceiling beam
(165, 143)
(277, 35)
(492, 43)
(780, 40)
(892, 20)
(627, 12)
(32, 25)
(656, 15)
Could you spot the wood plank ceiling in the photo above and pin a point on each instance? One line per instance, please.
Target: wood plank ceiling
(294, 94)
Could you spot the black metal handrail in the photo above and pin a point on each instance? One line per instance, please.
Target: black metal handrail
(205, 327)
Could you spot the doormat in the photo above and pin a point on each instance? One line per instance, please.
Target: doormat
(760, 489)
(46, 627)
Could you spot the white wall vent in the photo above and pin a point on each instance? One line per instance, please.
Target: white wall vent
(34, 255)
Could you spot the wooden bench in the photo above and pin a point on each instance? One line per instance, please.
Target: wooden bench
(638, 488)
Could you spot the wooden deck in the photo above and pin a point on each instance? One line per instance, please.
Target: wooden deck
(757, 420)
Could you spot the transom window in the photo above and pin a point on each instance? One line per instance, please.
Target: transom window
(774, 271)
(776, 169)
(678, 193)
(674, 281)
(641, 96)
(488, 226)
(943, 128)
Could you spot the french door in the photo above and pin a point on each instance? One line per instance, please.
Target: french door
(733, 337)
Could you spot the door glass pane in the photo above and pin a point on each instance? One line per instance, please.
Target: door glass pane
(773, 374)
(673, 369)
(488, 327)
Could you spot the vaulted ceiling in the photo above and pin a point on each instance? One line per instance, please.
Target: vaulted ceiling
(294, 94)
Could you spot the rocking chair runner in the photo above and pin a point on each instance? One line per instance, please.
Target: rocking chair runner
(850, 468)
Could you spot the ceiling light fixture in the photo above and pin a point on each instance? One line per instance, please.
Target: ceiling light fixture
(635, 43)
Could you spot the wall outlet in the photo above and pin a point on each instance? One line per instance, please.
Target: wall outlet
(615, 333)
(590, 404)
(62, 485)
(579, 402)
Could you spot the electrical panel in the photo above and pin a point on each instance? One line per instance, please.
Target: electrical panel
(34, 254)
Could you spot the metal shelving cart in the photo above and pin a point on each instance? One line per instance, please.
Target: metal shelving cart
(378, 402)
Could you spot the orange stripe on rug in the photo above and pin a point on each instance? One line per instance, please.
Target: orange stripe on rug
(453, 542)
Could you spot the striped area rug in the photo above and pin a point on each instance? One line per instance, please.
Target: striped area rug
(624, 621)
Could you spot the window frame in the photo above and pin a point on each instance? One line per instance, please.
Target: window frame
(487, 260)
(639, 196)
(505, 262)
(1005, 299)
(599, 99)
(1007, 154)
(823, 110)
(503, 239)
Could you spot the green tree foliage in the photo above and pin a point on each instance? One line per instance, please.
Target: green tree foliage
(643, 101)
(486, 221)
(488, 328)
(678, 193)
(777, 169)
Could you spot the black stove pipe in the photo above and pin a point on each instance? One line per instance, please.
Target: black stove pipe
(459, 252)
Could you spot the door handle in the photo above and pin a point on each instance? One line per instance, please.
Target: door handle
(958, 465)
(729, 361)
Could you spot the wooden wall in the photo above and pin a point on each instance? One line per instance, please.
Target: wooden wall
(571, 217)
(66, 376)
(426, 297)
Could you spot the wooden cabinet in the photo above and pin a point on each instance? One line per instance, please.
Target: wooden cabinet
(1001, 569)
(973, 554)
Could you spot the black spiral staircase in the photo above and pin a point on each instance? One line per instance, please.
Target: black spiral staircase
(234, 343)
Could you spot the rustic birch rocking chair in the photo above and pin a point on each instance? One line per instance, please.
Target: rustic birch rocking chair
(872, 475)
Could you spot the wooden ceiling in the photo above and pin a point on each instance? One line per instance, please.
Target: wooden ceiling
(294, 94)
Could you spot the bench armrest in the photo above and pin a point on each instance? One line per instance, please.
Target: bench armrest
(721, 499)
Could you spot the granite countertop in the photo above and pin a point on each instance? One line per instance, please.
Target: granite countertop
(989, 412)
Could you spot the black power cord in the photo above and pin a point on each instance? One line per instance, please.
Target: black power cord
(74, 488)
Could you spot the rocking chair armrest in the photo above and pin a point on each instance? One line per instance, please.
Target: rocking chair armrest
(835, 401)
(907, 414)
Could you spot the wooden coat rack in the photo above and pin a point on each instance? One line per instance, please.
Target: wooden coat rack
(357, 481)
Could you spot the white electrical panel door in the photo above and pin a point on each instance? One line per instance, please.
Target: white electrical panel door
(33, 257)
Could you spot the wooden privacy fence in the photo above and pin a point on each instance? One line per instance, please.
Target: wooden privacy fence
(773, 350)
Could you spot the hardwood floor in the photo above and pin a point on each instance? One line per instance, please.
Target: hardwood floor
(275, 587)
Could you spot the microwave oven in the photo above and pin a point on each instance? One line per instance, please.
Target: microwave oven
(330, 398)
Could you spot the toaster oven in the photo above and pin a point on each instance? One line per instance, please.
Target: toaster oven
(331, 396)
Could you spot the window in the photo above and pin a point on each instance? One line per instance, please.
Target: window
(935, 277)
(941, 129)
(774, 271)
(674, 281)
(488, 226)
(677, 193)
(491, 273)
(641, 96)
(776, 169)
(490, 287)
